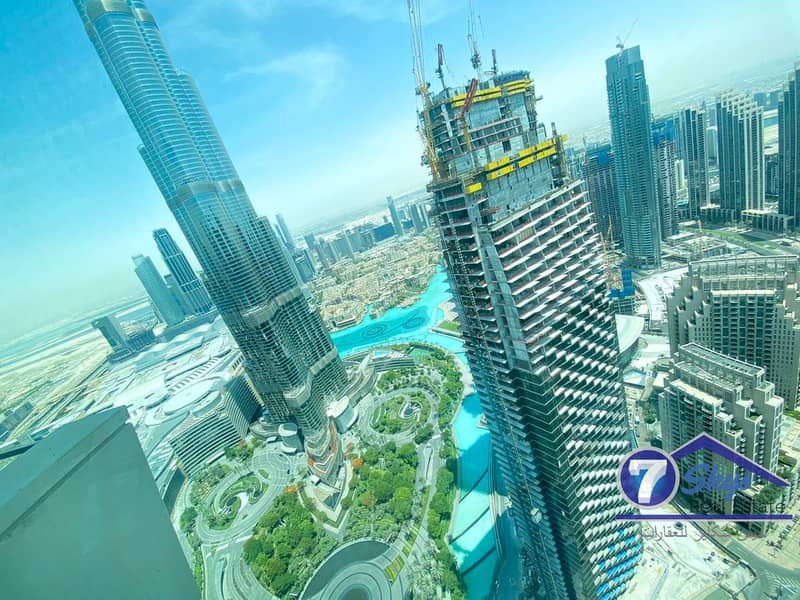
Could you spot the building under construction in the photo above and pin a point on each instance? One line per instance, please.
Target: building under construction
(524, 259)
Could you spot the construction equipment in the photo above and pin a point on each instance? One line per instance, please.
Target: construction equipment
(462, 114)
(415, 19)
(440, 67)
(621, 42)
(610, 265)
(494, 62)
(475, 57)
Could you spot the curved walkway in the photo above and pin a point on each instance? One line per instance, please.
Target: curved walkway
(403, 437)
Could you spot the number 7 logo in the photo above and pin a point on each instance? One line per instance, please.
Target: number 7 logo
(648, 477)
(655, 469)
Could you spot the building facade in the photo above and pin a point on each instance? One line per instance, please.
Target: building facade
(731, 400)
(664, 153)
(164, 303)
(397, 223)
(631, 139)
(177, 263)
(747, 308)
(693, 126)
(200, 438)
(601, 185)
(522, 253)
(83, 503)
(740, 132)
(789, 148)
(288, 352)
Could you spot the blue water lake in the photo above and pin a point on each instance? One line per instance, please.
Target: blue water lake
(473, 534)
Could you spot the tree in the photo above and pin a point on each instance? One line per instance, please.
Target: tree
(188, 518)
(400, 505)
(368, 500)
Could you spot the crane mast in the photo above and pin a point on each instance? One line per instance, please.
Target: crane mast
(417, 50)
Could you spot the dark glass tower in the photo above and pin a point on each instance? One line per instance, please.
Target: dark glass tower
(789, 149)
(165, 304)
(630, 116)
(193, 290)
(288, 352)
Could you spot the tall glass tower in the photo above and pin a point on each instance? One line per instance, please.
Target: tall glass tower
(191, 287)
(789, 148)
(288, 352)
(629, 113)
(166, 306)
(523, 255)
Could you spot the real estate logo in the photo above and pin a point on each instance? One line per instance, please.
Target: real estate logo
(649, 477)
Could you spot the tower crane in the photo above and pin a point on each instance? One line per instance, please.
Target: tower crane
(621, 42)
(475, 57)
(426, 132)
(440, 67)
(462, 114)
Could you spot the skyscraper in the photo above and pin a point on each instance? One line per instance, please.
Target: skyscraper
(285, 234)
(522, 252)
(631, 139)
(740, 131)
(600, 182)
(693, 127)
(288, 352)
(747, 308)
(789, 148)
(731, 400)
(166, 306)
(416, 218)
(113, 333)
(396, 222)
(664, 152)
(177, 263)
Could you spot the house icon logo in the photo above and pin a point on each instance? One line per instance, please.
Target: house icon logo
(650, 477)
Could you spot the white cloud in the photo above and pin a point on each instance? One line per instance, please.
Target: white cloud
(319, 67)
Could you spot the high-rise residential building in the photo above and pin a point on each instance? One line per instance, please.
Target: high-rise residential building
(81, 517)
(166, 306)
(284, 232)
(177, 294)
(416, 218)
(693, 126)
(747, 308)
(522, 251)
(631, 139)
(740, 131)
(288, 353)
(396, 222)
(342, 246)
(730, 400)
(114, 334)
(598, 168)
(178, 265)
(666, 180)
(789, 148)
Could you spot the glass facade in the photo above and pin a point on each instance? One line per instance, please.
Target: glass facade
(288, 352)
(630, 116)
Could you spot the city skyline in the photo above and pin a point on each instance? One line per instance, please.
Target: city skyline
(49, 143)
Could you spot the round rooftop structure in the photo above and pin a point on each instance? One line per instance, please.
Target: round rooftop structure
(189, 396)
(287, 430)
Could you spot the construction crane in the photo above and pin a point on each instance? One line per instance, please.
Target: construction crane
(494, 62)
(621, 42)
(462, 114)
(440, 67)
(415, 19)
(475, 56)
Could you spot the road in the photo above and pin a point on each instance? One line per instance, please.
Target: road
(227, 576)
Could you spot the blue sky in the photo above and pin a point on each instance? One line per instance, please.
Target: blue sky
(315, 102)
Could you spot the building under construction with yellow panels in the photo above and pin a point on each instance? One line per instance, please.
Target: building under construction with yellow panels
(523, 254)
